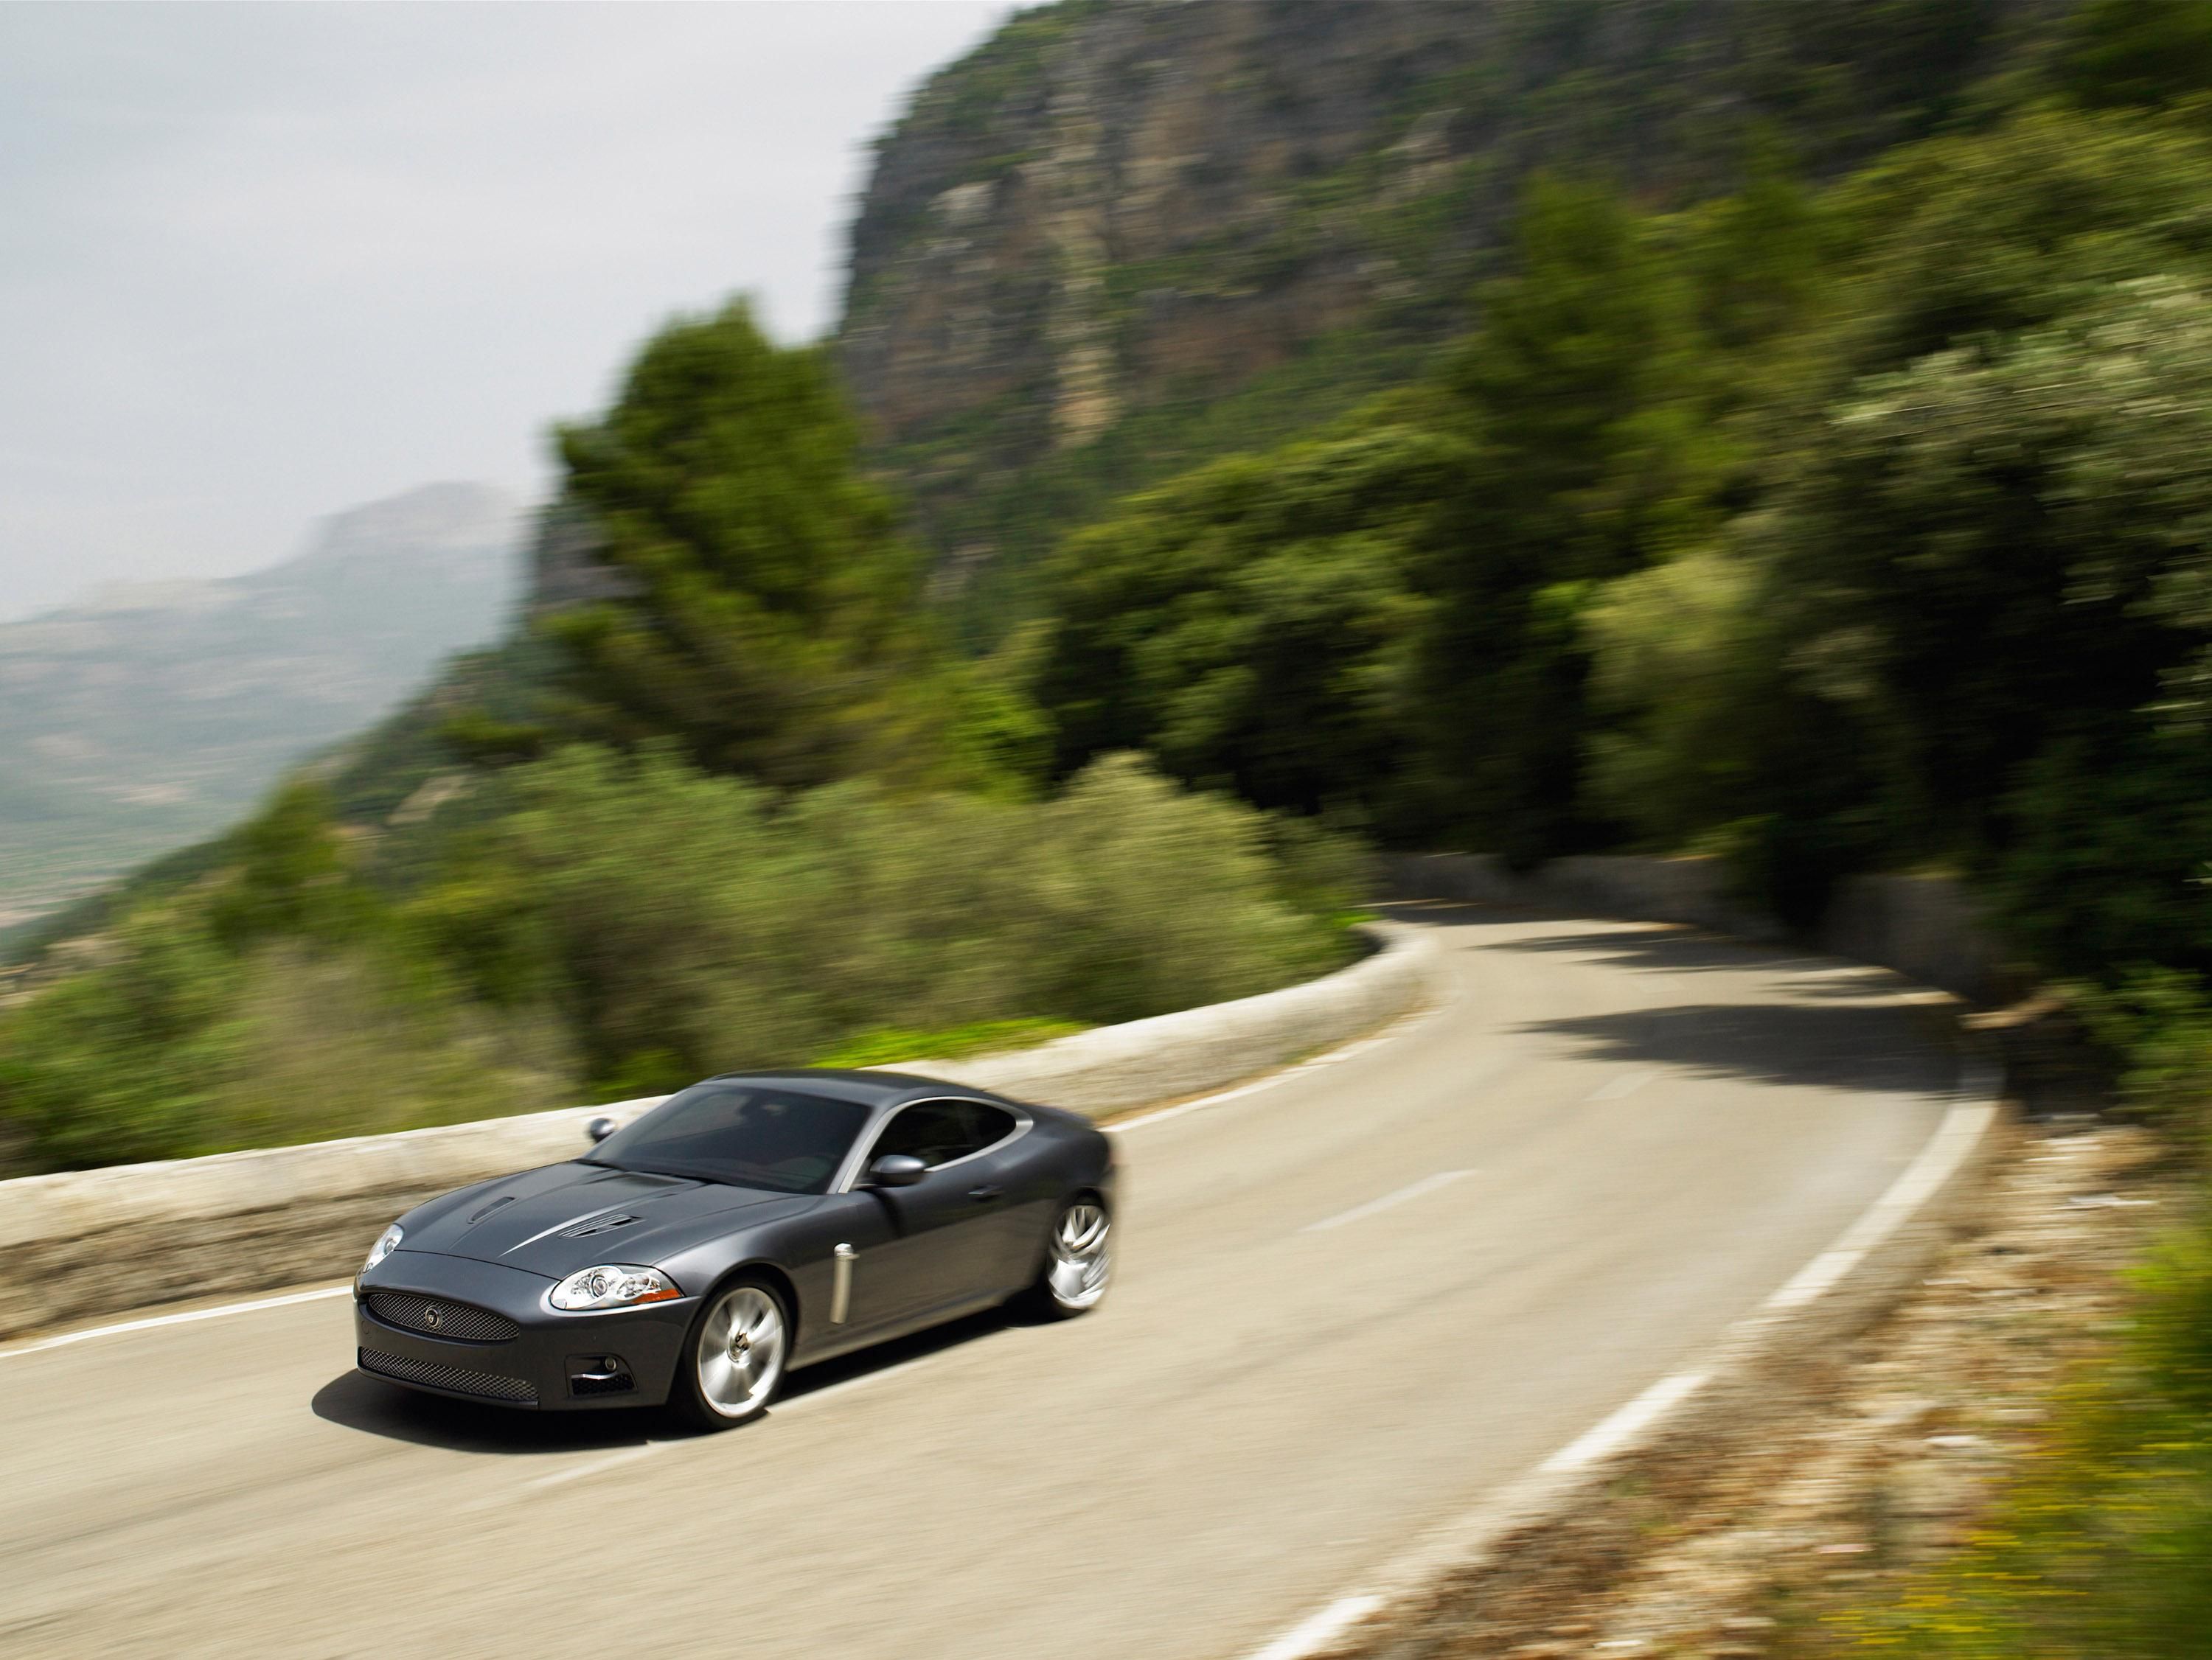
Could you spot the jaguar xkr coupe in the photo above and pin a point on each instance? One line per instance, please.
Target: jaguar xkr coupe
(751, 1224)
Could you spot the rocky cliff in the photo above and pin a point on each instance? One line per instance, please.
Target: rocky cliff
(1123, 234)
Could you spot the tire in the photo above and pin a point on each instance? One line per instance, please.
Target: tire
(734, 1359)
(1078, 1261)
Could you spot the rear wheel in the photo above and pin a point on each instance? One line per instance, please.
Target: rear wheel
(733, 1362)
(1078, 1260)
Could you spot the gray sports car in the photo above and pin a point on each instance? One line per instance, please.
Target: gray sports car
(752, 1223)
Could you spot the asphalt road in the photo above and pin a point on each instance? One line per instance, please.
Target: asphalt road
(1348, 1305)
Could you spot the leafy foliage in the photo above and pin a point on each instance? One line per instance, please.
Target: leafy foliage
(1251, 625)
(627, 923)
(691, 924)
(767, 613)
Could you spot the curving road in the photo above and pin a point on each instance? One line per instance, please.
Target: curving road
(1350, 1304)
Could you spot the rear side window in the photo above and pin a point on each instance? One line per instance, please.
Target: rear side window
(935, 1132)
(989, 1125)
(938, 1132)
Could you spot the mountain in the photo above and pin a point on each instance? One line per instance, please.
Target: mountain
(148, 716)
(1123, 236)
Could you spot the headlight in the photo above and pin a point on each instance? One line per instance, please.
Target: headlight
(386, 1242)
(612, 1285)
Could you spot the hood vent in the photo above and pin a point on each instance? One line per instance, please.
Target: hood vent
(585, 1229)
(488, 1210)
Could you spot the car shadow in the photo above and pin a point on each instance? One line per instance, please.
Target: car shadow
(355, 1400)
(900, 1351)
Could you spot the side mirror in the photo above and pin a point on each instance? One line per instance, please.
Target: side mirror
(896, 1170)
(599, 1129)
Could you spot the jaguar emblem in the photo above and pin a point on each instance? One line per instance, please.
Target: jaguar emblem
(434, 1317)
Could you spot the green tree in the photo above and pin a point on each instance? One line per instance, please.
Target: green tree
(292, 875)
(767, 614)
(1251, 623)
(1590, 458)
(1986, 548)
(2142, 53)
(129, 1059)
(1970, 238)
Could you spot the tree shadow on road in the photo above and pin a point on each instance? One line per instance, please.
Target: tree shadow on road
(1663, 949)
(1828, 1045)
(1657, 947)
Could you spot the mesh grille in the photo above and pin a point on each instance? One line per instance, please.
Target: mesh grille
(436, 1316)
(460, 1379)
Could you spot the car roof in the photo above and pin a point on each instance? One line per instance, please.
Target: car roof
(870, 1088)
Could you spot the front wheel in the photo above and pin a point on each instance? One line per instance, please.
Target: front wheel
(1078, 1261)
(733, 1363)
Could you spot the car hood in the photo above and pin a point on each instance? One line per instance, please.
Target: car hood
(564, 1217)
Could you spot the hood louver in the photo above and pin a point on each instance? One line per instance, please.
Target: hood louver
(584, 1230)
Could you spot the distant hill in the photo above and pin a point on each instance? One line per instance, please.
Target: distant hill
(149, 716)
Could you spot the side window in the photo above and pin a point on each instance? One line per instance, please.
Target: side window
(935, 1132)
(988, 1125)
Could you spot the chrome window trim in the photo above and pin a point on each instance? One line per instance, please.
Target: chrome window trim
(857, 1163)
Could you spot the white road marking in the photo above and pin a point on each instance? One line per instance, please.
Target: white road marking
(781, 1410)
(1426, 1184)
(628, 1454)
(1628, 1084)
(1610, 1434)
(186, 1319)
(1397, 1029)
(1318, 1632)
(1959, 1134)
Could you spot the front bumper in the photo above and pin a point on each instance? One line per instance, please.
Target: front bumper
(553, 1362)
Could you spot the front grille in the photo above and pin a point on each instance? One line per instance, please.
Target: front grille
(439, 1317)
(460, 1379)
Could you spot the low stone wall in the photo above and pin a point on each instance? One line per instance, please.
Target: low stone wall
(1923, 927)
(86, 1243)
(1114, 1068)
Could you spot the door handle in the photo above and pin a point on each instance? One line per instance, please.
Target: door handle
(979, 1194)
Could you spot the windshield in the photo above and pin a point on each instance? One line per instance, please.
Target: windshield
(747, 1134)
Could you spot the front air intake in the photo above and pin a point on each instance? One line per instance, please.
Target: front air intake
(460, 1379)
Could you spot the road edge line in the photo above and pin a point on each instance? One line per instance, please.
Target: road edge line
(1840, 1290)
(185, 1317)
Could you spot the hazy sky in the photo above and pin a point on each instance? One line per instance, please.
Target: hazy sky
(261, 263)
